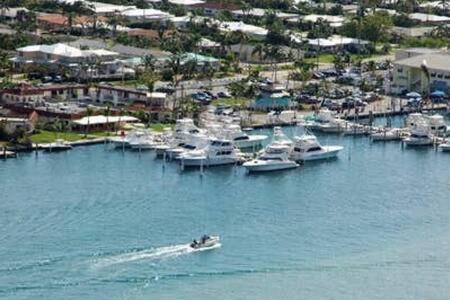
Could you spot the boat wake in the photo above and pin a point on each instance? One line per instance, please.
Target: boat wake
(151, 254)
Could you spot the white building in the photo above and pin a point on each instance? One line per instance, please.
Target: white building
(428, 18)
(251, 30)
(98, 63)
(408, 74)
(145, 15)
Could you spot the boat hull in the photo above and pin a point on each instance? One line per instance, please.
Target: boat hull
(207, 162)
(254, 141)
(258, 167)
(327, 152)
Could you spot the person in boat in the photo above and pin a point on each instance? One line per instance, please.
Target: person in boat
(194, 243)
(204, 238)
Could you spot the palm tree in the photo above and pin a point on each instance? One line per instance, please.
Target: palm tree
(4, 6)
(88, 114)
(114, 21)
(107, 114)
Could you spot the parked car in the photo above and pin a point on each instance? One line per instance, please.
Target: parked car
(211, 95)
(223, 95)
(46, 79)
(318, 75)
(168, 89)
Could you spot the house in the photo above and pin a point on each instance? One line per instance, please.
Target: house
(259, 13)
(11, 124)
(26, 94)
(213, 8)
(251, 30)
(429, 18)
(337, 42)
(117, 95)
(140, 15)
(408, 74)
(247, 53)
(76, 63)
(413, 31)
(334, 21)
(13, 14)
(272, 97)
(101, 122)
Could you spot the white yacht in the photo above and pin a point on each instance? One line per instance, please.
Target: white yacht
(241, 139)
(189, 142)
(420, 136)
(142, 141)
(437, 125)
(217, 152)
(58, 145)
(280, 138)
(275, 157)
(307, 147)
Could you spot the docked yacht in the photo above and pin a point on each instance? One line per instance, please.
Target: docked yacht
(436, 123)
(307, 147)
(217, 152)
(420, 136)
(241, 139)
(142, 141)
(275, 157)
(57, 146)
(445, 147)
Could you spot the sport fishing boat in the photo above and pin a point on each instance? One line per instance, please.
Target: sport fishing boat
(420, 136)
(206, 242)
(275, 157)
(217, 152)
(241, 139)
(142, 141)
(307, 147)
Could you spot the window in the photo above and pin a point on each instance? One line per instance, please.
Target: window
(241, 138)
(440, 75)
(400, 70)
(314, 149)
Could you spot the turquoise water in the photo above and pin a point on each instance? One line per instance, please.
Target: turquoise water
(95, 223)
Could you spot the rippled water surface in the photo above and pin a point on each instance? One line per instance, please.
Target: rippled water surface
(95, 223)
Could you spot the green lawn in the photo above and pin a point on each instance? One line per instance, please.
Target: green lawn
(329, 58)
(159, 127)
(45, 136)
(234, 102)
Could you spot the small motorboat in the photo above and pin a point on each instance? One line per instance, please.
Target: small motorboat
(445, 147)
(205, 242)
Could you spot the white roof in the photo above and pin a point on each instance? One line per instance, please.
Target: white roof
(240, 26)
(428, 18)
(321, 43)
(156, 95)
(146, 13)
(100, 7)
(186, 2)
(96, 120)
(56, 49)
(328, 18)
(433, 4)
(206, 43)
(65, 50)
(259, 12)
